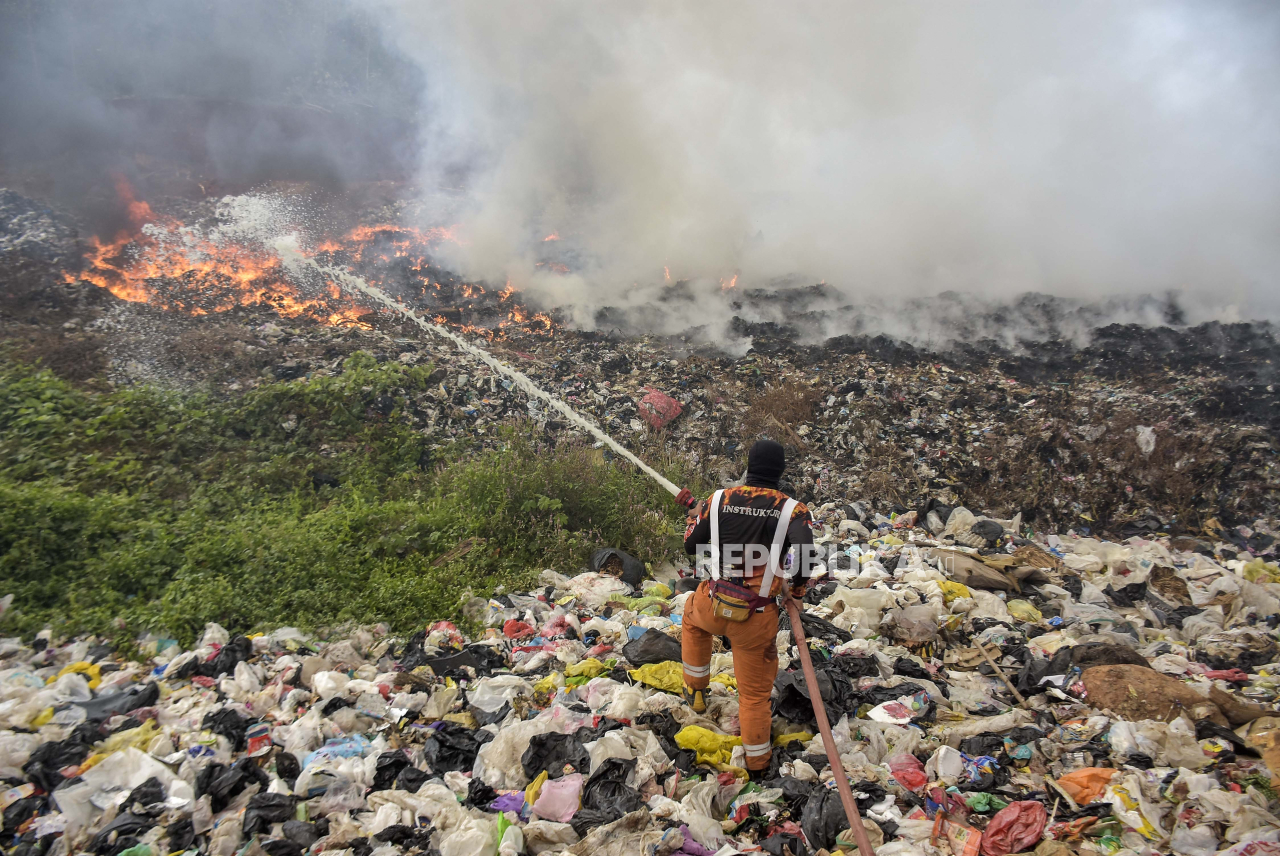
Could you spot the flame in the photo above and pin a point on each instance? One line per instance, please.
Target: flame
(165, 264)
(666, 273)
(552, 237)
(726, 285)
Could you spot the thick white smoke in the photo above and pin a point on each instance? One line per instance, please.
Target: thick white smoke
(1087, 150)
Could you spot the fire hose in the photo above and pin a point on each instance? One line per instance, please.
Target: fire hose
(824, 727)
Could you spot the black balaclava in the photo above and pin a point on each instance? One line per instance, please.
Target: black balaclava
(765, 464)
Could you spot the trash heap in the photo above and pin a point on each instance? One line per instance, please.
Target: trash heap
(991, 694)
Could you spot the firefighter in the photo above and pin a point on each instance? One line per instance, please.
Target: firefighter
(741, 535)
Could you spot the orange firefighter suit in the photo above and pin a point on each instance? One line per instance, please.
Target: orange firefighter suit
(742, 517)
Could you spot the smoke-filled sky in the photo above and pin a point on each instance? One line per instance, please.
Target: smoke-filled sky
(1087, 149)
(1093, 150)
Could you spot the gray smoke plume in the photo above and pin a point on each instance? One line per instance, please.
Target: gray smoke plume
(1092, 151)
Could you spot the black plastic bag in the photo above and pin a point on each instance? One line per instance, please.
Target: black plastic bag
(833, 685)
(388, 768)
(652, 646)
(410, 779)
(451, 748)
(414, 655)
(223, 783)
(146, 795)
(479, 794)
(988, 743)
(182, 834)
(280, 847)
(632, 569)
(264, 810)
(228, 657)
(587, 819)
(46, 763)
(553, 752)
(823, 818)
(229, 724)
(288, 768)
(129, 699)
(408, 838)
(782, 843)
(127, 828)
(20, 811)
(857, 667)
(484, 659)
(484, 717)
(300, 832)
(816, 628)
(607, 790)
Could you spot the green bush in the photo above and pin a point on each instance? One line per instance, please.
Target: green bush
(141, 509)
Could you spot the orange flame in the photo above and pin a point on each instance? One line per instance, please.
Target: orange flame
(552, 237)
(726, 285)
(164, 264)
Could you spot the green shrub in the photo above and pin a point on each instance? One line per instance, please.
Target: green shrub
(140, 509)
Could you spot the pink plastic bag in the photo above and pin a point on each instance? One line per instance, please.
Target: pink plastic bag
(559, 798)
(908, 771)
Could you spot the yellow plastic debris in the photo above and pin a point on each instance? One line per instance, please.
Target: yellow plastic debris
(1024, 610)
(656, 589)
(724, 678)
(953, 590)
(42, 718)
(139, 738)
(668, 676)
(590, 667)
(712, 748)
(91, 671)
(784, 739)
(549, 685)
(1259, 571)
(531, 792)
(465, 719)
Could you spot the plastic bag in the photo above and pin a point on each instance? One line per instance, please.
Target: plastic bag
(629, 569)
(712, 748)
(652, 647)
(1088, 783)
(823, 818)
(264, 810)
(552, 753)
(664, 676)
(559, 799)
(1024, 610)
(452, 747)
(1015, 828)
(607, 790)
(908, 771)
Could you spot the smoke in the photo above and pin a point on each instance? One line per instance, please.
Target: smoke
(1092, 151)
(190, 97)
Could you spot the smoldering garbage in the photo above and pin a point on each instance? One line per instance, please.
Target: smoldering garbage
(1148, 723)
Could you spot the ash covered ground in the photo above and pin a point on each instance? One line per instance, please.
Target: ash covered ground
(1038, 407)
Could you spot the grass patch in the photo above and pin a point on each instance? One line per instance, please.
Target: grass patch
(305, 503)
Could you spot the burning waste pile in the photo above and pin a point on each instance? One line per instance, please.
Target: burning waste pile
(991, 694)
(994, 690)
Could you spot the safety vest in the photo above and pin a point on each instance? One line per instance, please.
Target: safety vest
(775, 550)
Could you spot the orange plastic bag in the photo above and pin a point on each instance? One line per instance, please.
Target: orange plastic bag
(1087, 784)
(963, 840)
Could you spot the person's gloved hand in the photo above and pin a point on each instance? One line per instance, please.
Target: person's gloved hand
(685, 497)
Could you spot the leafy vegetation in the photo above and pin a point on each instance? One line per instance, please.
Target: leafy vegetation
(304, 503)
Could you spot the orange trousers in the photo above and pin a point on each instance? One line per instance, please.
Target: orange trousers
(755, 664)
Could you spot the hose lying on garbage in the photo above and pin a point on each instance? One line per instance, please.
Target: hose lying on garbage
(824, 726)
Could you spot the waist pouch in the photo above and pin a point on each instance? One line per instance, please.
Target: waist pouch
(734, 603)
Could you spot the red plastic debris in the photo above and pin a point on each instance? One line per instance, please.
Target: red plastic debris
(658, 408)
(1016, 827)
(516, 629)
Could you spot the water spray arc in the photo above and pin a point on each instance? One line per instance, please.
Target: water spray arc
(289, 252)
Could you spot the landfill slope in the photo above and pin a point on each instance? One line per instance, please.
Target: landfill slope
(1133, 711)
